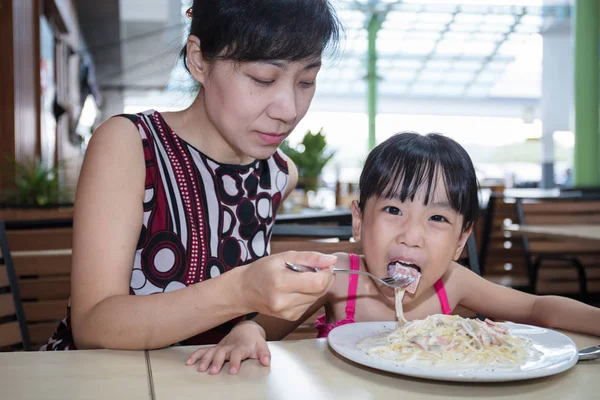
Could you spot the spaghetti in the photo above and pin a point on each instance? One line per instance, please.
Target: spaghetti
(453, 339)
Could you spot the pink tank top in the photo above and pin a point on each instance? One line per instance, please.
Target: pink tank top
(323, 328)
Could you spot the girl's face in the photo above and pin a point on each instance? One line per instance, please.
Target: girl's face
(254, 106)
(428, 237)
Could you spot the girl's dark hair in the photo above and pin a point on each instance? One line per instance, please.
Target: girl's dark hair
(258, 30)
(406, 162)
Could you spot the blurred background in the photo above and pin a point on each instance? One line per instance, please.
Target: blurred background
(516, 82)
(497, 76)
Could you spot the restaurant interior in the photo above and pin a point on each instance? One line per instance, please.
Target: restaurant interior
(515, 82)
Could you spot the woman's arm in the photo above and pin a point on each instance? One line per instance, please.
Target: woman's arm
(499, 302)
(107, 224)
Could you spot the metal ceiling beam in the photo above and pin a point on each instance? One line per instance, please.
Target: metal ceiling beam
(429, 105)
(438, 57)
(558, 11)
(494, 52)
(431, 54)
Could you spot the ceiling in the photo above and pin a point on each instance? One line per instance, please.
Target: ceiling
(430, 50)
(444, 50)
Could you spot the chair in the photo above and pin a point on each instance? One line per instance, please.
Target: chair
(583, 257)
(41, 257)
(501, 255)
(13, 327)
(472, 260)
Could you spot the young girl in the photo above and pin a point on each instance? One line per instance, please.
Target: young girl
(418, 203)
(180, 206)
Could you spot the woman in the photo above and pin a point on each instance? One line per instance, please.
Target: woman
(185, 213)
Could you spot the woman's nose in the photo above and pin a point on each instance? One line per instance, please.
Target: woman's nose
(283, 106)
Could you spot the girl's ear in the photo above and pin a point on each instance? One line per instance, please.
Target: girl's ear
(196, 63)
(356, 220)
(462, 240)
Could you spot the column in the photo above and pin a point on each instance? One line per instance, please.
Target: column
(557, 93)
(587, 150)
(20, 82)
(373, 27)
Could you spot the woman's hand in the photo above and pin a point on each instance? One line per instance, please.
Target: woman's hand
(272, 289)
(246, 340)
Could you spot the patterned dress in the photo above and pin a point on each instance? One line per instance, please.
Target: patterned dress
(201, 218)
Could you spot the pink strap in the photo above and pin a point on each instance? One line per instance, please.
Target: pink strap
(442, 296)
(352, 286)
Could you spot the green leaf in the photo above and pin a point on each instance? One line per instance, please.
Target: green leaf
(310, 156)
(36, 184)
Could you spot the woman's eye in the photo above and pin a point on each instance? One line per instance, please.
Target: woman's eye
(262, 82)
(439, 218)
(393, 210)
(307, 84)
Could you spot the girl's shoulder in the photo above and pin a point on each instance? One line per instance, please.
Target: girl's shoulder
(459, 280)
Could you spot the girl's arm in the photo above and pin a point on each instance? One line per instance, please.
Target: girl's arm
(502, 303)
(107, 224)
(277, 328)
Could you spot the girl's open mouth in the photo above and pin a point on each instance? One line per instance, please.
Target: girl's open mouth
(407, 268)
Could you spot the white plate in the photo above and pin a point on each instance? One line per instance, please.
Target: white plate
(558, 354)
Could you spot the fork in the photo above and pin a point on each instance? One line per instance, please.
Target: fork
(395, 281)
(591, 353)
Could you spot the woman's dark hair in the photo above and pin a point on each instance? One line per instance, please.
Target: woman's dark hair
(258, 30)
(406, 162)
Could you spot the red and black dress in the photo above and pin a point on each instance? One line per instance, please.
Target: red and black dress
(201, 218)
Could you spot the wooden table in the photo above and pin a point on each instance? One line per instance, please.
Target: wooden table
(587, 232)
(310, 370)
(62, 375)
(305, 369)
(298, 231)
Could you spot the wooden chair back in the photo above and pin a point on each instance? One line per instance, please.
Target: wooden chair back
(13, 328)
(41, 256)
(502, 256)
(556, 253)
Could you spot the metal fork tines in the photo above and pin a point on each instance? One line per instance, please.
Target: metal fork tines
(395, 281)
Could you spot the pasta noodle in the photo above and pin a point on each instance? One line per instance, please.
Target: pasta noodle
(449, 339)
(399, 309)
(452, 338)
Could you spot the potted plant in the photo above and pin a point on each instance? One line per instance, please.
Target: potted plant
(35, 191)
(310, 156)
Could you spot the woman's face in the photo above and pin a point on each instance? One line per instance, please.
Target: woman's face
(254, 106)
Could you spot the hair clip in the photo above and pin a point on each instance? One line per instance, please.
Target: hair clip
(188, 13)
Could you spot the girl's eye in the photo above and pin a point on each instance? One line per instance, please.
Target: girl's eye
(261, 82)
(393, 210)
(438, 218)
(307, 85)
